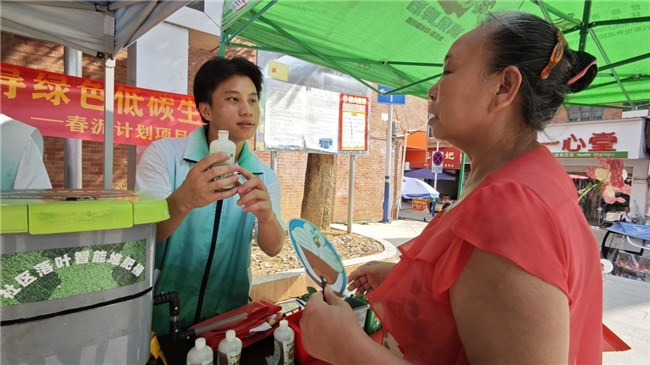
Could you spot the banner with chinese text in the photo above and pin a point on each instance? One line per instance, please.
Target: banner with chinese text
(36, 276)
(73, 107)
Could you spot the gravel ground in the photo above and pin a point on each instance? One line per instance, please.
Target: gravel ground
(348, 246)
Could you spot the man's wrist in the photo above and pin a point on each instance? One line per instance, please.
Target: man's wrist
(271, 219)
(178, 204)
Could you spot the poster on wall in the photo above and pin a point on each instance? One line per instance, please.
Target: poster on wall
(299, 118)
(353, 123)
(285, 115)
(311, 90)
(321, 133)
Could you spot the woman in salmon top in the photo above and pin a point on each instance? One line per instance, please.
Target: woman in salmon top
(521, 284)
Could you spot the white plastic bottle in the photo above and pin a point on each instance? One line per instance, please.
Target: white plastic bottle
(223, 144)
(200, 354)
(283, 351)
(229, 349)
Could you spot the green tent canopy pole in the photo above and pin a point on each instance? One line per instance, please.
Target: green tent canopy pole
(584, 28)
(404, 63)
(630, 79)
(227, 37)
(613, 70)
(624, 62)
(545, 7)
(223, 43)
(641, 19)
(405, 77)
(461, 174)
(414, 83)
(250, 21)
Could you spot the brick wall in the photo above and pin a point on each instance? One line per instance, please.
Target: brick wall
(610, 114)
(562, 115)
(47, 56)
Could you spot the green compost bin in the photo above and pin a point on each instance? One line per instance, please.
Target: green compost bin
(77, 275)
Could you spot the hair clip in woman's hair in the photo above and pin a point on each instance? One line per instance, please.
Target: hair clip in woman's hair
(556, 56)
(582, 73)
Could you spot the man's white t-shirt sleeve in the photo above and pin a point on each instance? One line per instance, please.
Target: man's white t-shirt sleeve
(31, 172)
(152, 175)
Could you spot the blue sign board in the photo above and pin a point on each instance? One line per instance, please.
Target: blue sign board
(391, 98)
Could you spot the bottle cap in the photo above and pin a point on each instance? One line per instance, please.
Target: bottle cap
(284, 324)
(230, 335)
(199, 343)
(223, 135)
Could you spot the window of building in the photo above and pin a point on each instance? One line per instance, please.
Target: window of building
(585, 113)
(430, 132)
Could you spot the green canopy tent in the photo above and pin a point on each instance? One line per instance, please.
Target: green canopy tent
(402, 43)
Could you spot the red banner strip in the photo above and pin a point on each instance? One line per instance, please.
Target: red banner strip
(73, 107)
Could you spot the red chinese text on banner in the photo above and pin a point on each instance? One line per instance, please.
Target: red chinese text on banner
(73, 107)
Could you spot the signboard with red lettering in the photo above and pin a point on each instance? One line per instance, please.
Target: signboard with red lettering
(420, 205)
(451, 157)
(353, 123)
(72, 107)
(623, 138)
(601, 143)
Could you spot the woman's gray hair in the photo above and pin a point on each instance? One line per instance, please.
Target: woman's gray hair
(526, 41)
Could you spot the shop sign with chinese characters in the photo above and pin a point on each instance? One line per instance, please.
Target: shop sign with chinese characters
(36, 276)
(72, 107)
(602, 144)
(620, 139)
(451, 157)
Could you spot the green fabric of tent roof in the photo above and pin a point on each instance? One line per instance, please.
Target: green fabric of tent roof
(402, 43)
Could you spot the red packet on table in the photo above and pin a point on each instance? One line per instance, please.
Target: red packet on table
(611, 342)
(258, 313)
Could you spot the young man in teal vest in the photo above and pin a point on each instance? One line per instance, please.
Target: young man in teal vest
(204, 249)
